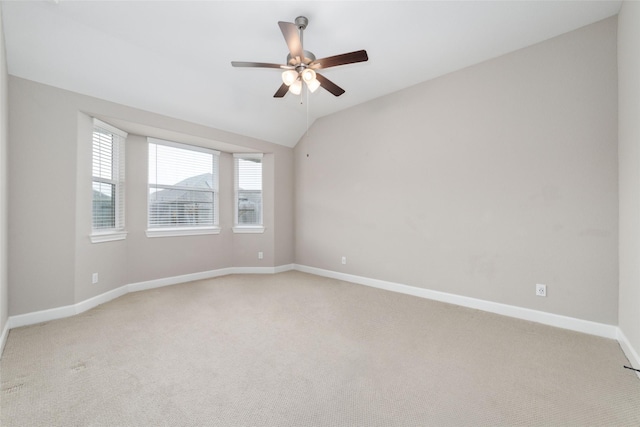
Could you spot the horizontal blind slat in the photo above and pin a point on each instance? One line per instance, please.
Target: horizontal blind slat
(182, 186)
(248, 182)
(108, 178)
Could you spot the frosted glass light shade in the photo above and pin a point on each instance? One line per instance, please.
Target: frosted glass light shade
(296, 87)
(308, 75)
(289, 76)
(313, 85)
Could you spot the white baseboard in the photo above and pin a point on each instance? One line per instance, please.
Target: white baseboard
(167, 281)
(65, 311)
(3, 337)
(579, 325)
(263, 270)
(629, 351)
(157, 283)
(90, 303)
(283, 268)
(565, 322)
(42, 316)
(71, 310)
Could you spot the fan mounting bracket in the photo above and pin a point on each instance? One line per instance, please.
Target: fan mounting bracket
(301, 22)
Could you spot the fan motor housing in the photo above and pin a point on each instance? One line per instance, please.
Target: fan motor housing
(308, 58)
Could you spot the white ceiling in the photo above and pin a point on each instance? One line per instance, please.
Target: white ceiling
(173, 58)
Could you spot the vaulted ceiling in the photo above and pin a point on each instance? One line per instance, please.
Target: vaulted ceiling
(174, 58)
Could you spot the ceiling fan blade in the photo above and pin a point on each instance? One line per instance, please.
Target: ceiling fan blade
(343, 59)
(260, 65)
(329, 85)
(282, 91)
(292, 37)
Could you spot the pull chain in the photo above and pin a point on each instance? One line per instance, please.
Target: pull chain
(306, 134)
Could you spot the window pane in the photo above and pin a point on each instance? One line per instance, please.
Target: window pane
(182, 186)
(249, 174)
(180, 167)
(177, 207)
(248, 181)
(104, 208)
(108, 177)
(102, 154)
(249, 207)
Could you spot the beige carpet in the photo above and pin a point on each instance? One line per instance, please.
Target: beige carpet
(294, 349)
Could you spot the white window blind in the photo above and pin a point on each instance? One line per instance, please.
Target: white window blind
(108, 178)
(183, 186)
(248, 189)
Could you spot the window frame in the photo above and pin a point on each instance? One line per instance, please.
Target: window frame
(118, 232)
(247, 228)
(186, 230)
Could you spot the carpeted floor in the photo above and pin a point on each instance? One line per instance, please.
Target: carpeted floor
(293, 349)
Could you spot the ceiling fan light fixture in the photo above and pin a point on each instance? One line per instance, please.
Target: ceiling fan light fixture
(308, 75)
(313, 85)
(301, 64)
(296, 87)
(289, 76)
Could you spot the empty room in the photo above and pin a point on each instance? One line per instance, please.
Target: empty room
(319, 213)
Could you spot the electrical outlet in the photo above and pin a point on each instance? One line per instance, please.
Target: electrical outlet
(260, 255)
(344, 260)
(541, 290)
(94, 278)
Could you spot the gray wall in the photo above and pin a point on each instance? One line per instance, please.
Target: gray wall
(629, 161)
(283, 203)
(480, 183)
(50, 254)
(4, 116)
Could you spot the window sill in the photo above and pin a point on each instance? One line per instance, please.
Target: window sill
(173, 232)
(253, 229)
(108, 236)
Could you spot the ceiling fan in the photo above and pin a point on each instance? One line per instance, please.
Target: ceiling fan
(302, 65)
